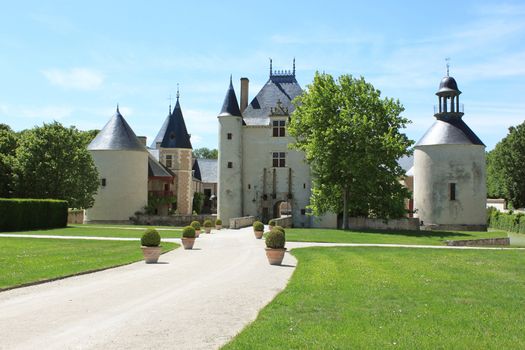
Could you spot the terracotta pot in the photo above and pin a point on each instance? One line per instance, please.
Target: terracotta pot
(188, 242)
(207, 229)
(275, 256)
(197, 233)
(151, 254)
(258, 234)
(218, 227)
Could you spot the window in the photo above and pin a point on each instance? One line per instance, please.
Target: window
(249, 186)
(452, 191)
(303, 211)
(103, 182)
(279, 159)
(229, 136)
(304, 185)
(230, 165)
(278, 128)
(169, 160)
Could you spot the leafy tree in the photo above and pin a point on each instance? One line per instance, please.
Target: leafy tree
(205, 153)
(198, 202)
(8, 144)
(506, 170)
(352, 142)
(52, 162)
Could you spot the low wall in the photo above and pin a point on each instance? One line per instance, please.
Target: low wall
(285, 221)
(244, 221)
(454, 228)
(480, 242)
(75, 217)
(170, 220)
(404, 224)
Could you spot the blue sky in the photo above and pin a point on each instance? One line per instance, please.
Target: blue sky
(74, 61)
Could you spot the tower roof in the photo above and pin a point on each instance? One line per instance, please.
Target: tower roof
(453, 131)
(173, 133)
(196, 170)
(448, 84)
(230, 105)
(116, 135)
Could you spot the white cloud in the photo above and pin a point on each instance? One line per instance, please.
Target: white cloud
(75, 78)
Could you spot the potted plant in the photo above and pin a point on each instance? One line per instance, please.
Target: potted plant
(271, 223)
(151, 246)
(207, 226)
(218, 224)
(197, 227)
(188, 237)
(258, 229)
(280, 228)
(275, 249)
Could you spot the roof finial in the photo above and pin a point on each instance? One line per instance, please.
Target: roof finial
(178, 93)
(448, 65)
(293, 72)
(169, 98)
(271, 71)
(117, 109)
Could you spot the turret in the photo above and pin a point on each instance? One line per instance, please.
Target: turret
(230, 158)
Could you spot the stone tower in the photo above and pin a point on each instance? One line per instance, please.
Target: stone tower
(229, 203)
(122, 163)
(449, 168)
(175, 152)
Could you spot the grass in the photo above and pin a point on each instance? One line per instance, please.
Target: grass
(394, 237)
(101, 231)
(26, 260)
(386, 298)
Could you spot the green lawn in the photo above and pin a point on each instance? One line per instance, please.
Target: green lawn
(101, 231)
(398, 237)
(25, 260)
(382, 298)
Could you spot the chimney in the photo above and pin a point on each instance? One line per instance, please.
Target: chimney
(244, 93)
(143, 140)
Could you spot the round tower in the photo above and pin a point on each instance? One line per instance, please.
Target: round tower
(449, 168)
(122, 164)
(229, 203)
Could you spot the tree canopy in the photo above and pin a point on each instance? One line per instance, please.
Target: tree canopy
(206, 153)
(8, 144)
(352, 140)
(52, 161)
(505, 168)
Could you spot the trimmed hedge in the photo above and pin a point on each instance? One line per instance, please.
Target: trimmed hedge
(507, 221)
(32, 214)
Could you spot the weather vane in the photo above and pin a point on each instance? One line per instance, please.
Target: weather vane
(448, 65)
(170, 99)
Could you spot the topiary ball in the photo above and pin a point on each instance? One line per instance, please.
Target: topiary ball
(150, 238)
(280, 228)
(208, 223)
(271, 222)
(258, 226)
(275, 239)
(196, 225)
(218, 222)
(188, 232)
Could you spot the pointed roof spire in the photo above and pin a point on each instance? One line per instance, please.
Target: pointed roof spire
(173, 133)
(178, 94)
(230, 106)
(448, 65)
(293, 72)
(271, 69)
(116, 135)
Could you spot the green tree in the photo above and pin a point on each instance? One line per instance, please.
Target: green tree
(205, 153)
(352, 141)
(52, 162)
(505, 168)
(8, 144)
(198, 202)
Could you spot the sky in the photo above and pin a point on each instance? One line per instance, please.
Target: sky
(74, 61)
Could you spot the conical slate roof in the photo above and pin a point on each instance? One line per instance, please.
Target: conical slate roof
(452, 131)
(230, 105)
(116, 135)
(173, 133)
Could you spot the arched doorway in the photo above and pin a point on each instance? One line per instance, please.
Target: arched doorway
(282, 208)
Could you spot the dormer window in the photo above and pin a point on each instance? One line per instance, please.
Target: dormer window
(279, 128)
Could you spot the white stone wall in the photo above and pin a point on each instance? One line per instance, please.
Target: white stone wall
(435, 167)
(126, 190)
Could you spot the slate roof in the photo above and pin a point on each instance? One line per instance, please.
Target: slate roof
(452, 131)
(208, 170)
(448, 84)
(196, 170)
(156, 169)
(280, 87)
(173, 133)
(116, 135)
(230, 106)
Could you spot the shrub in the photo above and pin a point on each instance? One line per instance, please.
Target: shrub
(196, 225)
(280, 228)
(150, 238)
(218, 222)
(507, 221)
(32, 214)
(258, 226)
(271, 222)
(208, 223)
(275, 239)
(188, 232)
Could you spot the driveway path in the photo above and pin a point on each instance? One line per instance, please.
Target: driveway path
(194, 299)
